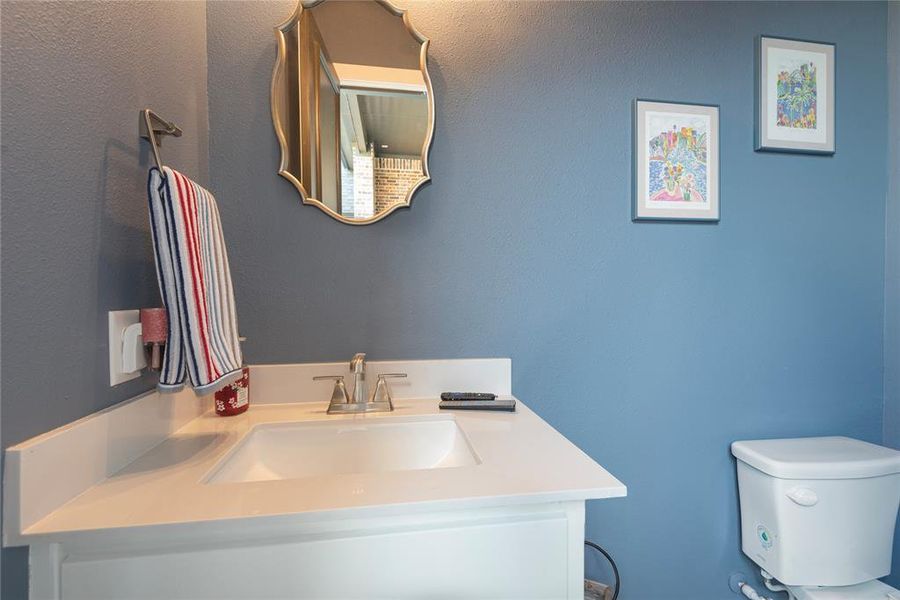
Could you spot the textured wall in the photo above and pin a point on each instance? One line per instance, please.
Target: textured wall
(892, 240)
(75, 238)
(892, 258)
(651, 346)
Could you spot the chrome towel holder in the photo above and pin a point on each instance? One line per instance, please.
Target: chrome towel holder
(151, 126)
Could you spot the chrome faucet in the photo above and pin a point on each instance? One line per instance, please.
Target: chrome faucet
(358, 401)
(358, 370)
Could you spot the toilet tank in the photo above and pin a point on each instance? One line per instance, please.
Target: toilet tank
(818, 511)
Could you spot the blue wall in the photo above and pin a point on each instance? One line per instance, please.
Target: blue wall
(651, 346)
(892, 239)
(76, 241)
(892, 258)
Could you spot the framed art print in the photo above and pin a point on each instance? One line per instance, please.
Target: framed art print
(676, 161)
(794, 96)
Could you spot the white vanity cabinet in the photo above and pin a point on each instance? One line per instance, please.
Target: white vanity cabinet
(160, 498)
(527, 551)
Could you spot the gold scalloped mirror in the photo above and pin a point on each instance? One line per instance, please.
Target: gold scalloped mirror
(352, 107)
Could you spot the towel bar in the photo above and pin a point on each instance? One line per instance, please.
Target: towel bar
(151, 125)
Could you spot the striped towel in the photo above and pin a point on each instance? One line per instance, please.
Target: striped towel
(195, 283)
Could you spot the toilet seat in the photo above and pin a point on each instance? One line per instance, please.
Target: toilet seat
(870, 590)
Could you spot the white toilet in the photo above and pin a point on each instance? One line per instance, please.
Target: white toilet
(818, 514)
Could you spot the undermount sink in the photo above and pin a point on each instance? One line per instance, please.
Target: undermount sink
(298, 450)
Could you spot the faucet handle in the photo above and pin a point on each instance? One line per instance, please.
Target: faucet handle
(324, 377)
(339, 393)
(383, 390)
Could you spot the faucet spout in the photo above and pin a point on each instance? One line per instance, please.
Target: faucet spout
(358, 369)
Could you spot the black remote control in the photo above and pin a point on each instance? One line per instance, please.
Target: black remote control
(502, 405)
(468, 396)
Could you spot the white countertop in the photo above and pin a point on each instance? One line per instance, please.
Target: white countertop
(523, 460)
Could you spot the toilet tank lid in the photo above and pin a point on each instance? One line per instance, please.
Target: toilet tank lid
(818, 458)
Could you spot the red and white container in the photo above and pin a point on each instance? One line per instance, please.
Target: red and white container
(234, 398)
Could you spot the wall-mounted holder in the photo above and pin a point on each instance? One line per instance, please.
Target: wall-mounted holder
(151, 126)
(133, 336)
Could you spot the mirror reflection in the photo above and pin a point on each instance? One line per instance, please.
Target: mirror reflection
(352, 107)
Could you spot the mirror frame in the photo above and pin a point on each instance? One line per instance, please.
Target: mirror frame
(278, 78)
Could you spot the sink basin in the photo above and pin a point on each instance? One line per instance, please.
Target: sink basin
(298, 450)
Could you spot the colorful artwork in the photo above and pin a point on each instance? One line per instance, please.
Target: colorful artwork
(677, 159)
(796, 97)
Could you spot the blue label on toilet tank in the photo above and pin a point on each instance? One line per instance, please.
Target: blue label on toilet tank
(765, 537)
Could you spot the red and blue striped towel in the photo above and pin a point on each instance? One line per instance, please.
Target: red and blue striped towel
(195, 283)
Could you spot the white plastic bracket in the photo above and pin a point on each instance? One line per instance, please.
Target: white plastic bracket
(133, 358)
(126, 347)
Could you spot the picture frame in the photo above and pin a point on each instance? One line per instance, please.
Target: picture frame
(795, 96)
(675, 163)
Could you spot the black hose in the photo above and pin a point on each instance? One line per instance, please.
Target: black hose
(612, 563)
